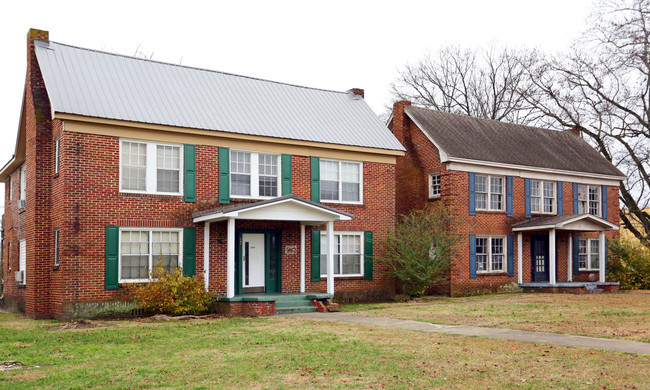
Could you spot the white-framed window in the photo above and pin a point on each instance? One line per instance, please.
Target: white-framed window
(341, 181)
(434, 185)
(56, 247)
(22, 259)
(143, 249)
(490, 193)
(588, 254)
(8, 188)
(542, 197)
(490, 253)
(151, 167)
(23, 182)
(589, 199)
(348, 254)
(57, 158)
(255, 175)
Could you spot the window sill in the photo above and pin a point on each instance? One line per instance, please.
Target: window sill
(22, 286)
(347, 277)
(588, 270)
(55, 268)
(147, 195)
(334, 202)
(492, 273)
(491, 211)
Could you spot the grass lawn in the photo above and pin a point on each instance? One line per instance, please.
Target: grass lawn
(293, 353)
(621, 316)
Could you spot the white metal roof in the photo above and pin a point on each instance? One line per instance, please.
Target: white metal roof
(105, 85)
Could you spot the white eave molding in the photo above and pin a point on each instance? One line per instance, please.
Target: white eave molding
(567, 224)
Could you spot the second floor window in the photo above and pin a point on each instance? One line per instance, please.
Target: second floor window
(23, 183)
(254, 175)
(340, 181)
(542, 197)
(490, 193)
(589, 199)
(434, 185)
(150, 167)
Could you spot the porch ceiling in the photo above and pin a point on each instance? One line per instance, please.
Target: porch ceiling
(581, 222)
(285, 208)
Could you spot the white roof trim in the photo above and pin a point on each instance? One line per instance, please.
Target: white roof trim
(296, 211)
(566, 225)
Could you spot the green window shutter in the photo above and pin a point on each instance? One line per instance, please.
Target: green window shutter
(368, 255)
(189, 181)
(224, 175)
(112, 254)
(315, 179)
(286, 174)
(189, 251)
(315, 255)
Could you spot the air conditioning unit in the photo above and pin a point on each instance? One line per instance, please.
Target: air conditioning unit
(20, 276)
(21, 203)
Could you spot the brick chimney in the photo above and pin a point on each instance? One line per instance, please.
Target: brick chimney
(357, 91)
(577, 130)
(400, 121)
(37, 35)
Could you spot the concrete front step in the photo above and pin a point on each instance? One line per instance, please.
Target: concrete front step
(295, 309)
(292, 303)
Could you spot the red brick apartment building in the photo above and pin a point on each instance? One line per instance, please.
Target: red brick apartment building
(260, 188)
(537, 206)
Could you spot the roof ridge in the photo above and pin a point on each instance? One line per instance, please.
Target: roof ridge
(194, 68)
(560, 131)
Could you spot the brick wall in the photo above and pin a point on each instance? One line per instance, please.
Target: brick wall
(422, 158)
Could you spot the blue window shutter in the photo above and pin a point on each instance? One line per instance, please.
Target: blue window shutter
(315, 179)
(527, 194)
(575, 198)
(286, 174)
(576, 251)
(189, 179)
(472, 193)
(315, 255)
(606, 256)
(368, 255)
(560, 199)
(472, 255)
(224, 175)
(509, 196)
(511, 255)
(111, 257)
(604, 200)
(189, 251)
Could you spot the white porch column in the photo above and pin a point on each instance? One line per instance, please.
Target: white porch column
(230, 268)
(553, 260)
(569, 265)
(520, 276)
(330, 257)
(302, 258)
(206, 255)
(601, 256)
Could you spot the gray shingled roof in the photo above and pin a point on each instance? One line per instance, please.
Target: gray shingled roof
(105, 85)
(465, 137)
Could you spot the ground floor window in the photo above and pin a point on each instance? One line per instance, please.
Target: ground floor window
(588, 254)
(22, 260)
(348, 253)
(490, 253)
(141, 250)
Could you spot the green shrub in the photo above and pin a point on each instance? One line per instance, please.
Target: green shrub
(172, 293)
(629, 264)
(420, 251)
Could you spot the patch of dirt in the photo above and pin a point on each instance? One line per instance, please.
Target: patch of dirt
(11, 365)
(80, 324)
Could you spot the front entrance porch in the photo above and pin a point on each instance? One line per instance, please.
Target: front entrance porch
(561, 237)
(260, 238)
(258, 305)
(570, 287)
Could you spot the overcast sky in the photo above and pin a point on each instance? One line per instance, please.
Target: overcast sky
(333, 45)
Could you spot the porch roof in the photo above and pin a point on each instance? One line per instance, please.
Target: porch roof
(580, 222)
(284, 208)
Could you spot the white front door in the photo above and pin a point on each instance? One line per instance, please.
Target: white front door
(253, 259)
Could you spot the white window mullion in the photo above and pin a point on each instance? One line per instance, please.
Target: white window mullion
(255, 175)
(340, 180)
(150, 234)
(151, 168)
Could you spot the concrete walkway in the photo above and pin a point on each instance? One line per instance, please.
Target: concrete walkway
(635, 347)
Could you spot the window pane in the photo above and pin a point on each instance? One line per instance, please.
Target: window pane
(268, 165)
(134, 169)
(548, 205)
(268, 186)
(351, 264)
(481, 183)
(435, 184)
(165, 250)
(549, 189)
(350, 172)
(135, 255)
(329, 170)
(497, 254)
(168, 180)
(350, 192)
(329, 190)
(496, 201)
(240, 184)
(168, 167)
(534, 188)
(534, 205)
(496, 185)
(481, 201)
(240, 162)
(268, 175)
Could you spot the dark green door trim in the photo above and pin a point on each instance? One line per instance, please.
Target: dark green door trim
(271, 286)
